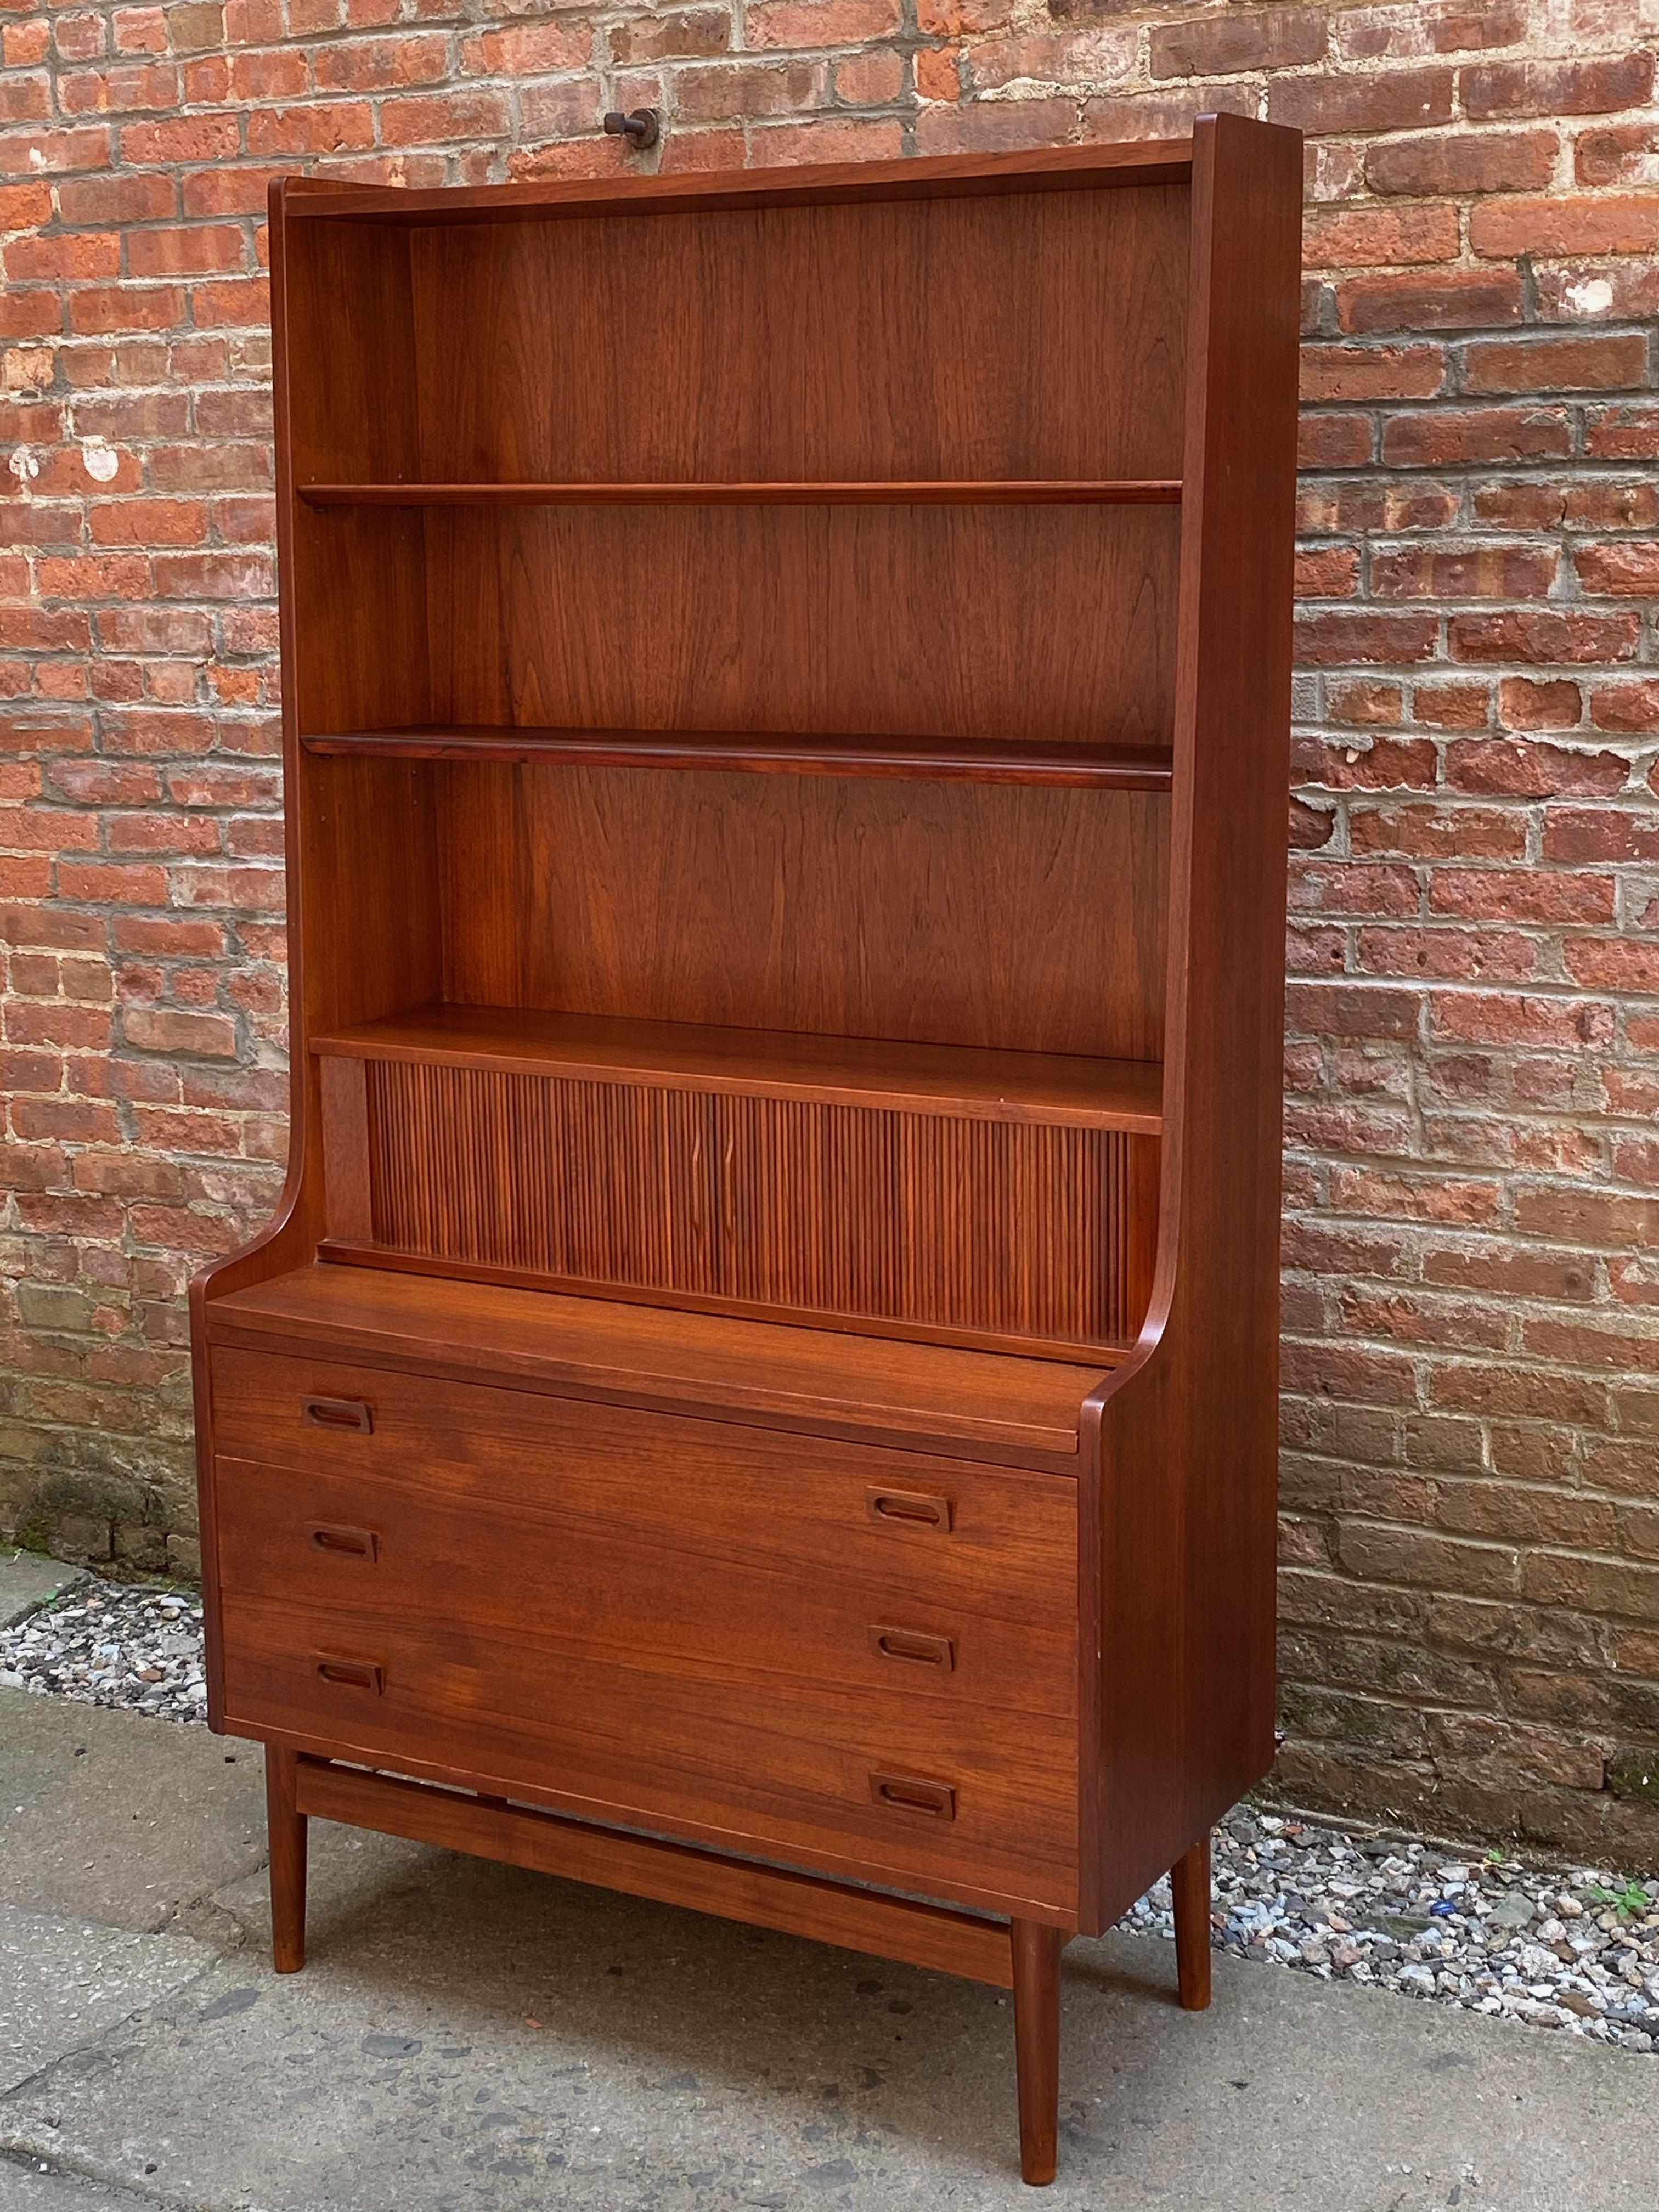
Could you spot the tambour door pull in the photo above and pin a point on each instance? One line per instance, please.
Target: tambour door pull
(909, 1509)
(913, 1792)
(337, 1413)
(351, 1675)
(919, 1645)
(344, 1543)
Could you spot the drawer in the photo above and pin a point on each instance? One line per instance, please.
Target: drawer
(1005, 1538)
(701, 1627)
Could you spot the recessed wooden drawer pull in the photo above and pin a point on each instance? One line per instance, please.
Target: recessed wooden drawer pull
(916, 1645)
(344, 1543)
(351, 1675)
(912, 1508)
(337, 1413)
(912, 1793)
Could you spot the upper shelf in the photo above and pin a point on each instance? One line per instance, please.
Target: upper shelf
(1120, 768)
(919, 1079)
(1036, 491)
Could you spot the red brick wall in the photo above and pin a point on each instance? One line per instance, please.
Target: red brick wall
(1471, 1593)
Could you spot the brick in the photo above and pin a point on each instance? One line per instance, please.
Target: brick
(161, 1029)
(1626, 706)
(1567, 636)
(1526, 702)
(1626, 569)
(375, 64)
(1358, 373)
(185, 139)
(1333, 639)
(1458, 300)
(1357, 238)
(1436, 832)
(1275, 38)
(819, 22)
(1399, 99)
(1619, 153)
(1479, 571)
(1491, 766)
(1475, 941)
(1493, 89)
(323, 127)
(1608, 223)
(1486, 434)
(1462, 164)
(1601, 362)
(1619, 434)
(1334, 441)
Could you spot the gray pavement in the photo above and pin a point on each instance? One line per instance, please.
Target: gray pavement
(469, 2037)
(27, 1582)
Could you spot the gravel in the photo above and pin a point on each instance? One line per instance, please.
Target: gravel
(113, 1644)
(1576, 1949)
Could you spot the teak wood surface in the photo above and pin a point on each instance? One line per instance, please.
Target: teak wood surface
(763, 1380)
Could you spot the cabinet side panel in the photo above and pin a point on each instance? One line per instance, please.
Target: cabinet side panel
(1189, 1432)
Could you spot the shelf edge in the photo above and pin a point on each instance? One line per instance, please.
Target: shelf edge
(994, 491)
(760, 753)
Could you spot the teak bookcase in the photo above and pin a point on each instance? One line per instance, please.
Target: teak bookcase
(762, 1389)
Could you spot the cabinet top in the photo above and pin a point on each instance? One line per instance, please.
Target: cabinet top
(1055, 169)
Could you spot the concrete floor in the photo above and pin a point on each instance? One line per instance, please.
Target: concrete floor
(467, 2036)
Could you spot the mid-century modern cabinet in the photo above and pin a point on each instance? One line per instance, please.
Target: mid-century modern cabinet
(761, 1392)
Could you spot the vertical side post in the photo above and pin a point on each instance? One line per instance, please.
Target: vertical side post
(285, 1826)
(1189, 1888)
(1036, 1953)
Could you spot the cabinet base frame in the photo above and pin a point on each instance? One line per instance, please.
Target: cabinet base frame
(1018, 1956)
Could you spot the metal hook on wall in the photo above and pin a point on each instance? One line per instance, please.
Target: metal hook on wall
(642, 129)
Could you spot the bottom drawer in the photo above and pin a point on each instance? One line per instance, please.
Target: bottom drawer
(843, 1718)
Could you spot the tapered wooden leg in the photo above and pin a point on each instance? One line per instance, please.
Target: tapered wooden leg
(286, 1827)
(1190, 1886)
(1037, 2045)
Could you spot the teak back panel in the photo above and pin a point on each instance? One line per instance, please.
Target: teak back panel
(1027, 918)
(991, 622)
(890, 339)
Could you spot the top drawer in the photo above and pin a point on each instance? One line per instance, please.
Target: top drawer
(804, 1503)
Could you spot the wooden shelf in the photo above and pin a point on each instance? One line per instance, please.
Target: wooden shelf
(1122, 767)
(922, 1394)
(916, 1079)
(1050, 491)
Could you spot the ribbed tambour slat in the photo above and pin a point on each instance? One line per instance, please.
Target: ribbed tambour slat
(1005, 1229)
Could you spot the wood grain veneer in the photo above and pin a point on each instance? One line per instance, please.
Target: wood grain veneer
(927, 1013)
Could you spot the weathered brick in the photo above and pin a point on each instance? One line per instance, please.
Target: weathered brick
(1459, 299)
(1461, 163)
(1276, 37)
(1359, 238)
(1626, 222)
(1587, 363)
(1556, 87)
(1394, 100)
